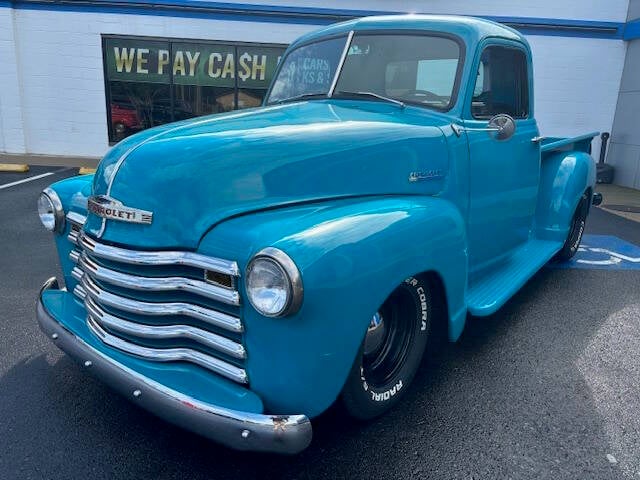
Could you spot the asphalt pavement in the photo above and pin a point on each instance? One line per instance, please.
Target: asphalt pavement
(548, 387)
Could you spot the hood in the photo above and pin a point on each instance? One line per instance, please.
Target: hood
(194, 174)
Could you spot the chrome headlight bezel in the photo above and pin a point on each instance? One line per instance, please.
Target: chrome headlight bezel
(57, 210)
(291, 275)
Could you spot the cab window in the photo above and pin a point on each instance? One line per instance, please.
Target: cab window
(502, 84)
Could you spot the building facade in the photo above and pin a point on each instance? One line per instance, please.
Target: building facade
(78, 76)
(624, 152)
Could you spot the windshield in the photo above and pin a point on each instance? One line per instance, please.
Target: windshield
(412, 68)
(308, 70)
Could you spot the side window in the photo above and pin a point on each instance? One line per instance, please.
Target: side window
(502, 84)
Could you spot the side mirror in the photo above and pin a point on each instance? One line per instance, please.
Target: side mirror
(501, 126)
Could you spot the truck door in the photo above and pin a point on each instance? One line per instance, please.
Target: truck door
(504, 174)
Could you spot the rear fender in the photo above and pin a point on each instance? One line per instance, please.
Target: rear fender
(352, 255)
(565, 176)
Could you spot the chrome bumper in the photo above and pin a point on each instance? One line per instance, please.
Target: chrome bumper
(239, 430)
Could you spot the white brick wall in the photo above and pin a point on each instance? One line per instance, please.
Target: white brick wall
(11, 125)
(62, 75)
(576, 84)
(52, 98)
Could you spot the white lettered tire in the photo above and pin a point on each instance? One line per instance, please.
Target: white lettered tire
(391, 351)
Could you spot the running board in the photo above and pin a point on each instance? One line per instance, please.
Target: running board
(492, 287)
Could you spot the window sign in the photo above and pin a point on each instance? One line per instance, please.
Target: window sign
(136, 61)
(133, 60)
(257, 65)
(150, 82)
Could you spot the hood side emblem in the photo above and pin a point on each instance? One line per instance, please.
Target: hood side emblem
(425, 175)
(112, 209)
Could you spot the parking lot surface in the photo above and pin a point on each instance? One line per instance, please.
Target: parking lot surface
(548, 387)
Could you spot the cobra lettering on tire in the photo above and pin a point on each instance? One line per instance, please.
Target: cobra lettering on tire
(391, 351)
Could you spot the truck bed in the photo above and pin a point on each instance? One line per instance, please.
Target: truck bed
(580, 143)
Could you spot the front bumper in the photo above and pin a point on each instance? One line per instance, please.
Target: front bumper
(235, 429)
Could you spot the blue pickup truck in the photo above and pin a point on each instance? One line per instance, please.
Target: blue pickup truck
(237, 274)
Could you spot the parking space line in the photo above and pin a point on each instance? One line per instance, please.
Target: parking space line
(24, 180)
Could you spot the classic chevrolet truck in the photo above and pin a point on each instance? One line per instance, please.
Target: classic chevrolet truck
(237, 274)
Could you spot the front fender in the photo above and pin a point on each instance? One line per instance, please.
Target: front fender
(565, 176)
(352, 254)
(73, 193)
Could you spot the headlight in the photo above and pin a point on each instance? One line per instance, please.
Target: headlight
(50, 210)
(273, 283)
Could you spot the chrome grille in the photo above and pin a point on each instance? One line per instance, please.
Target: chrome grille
(139, 314)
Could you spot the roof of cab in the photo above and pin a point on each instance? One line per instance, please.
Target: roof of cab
(469, 28)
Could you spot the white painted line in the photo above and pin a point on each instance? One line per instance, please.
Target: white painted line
(24, 180)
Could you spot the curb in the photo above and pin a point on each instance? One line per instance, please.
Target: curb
(14, 167)
(86, 170)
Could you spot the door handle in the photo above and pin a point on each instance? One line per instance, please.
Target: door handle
(538, 139)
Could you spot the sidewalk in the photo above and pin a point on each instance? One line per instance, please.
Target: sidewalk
(621, 201)
(49, 160)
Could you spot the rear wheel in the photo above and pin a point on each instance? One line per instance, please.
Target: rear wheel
(578, 222)
(391, 351)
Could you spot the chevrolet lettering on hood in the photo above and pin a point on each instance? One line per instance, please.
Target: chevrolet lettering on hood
(112, 209)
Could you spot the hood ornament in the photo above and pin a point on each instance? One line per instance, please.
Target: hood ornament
(112, 209)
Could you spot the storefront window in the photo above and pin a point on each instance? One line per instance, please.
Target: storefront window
(150, 82)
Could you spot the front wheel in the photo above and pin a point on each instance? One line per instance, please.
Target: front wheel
(391, 351)
(576, 230)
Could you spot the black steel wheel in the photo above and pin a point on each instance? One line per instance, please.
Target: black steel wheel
(578, 223)
(391, 351)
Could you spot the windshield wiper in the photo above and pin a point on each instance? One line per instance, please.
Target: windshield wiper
(372, 95)
(303, 96)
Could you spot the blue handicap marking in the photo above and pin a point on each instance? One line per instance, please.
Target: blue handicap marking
(605, 252)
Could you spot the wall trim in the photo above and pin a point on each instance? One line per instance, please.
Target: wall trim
(305, 15)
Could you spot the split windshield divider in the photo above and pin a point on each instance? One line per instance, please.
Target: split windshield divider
(343, 58)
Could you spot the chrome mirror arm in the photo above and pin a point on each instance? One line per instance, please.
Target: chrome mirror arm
(502, 124)
(458, 129)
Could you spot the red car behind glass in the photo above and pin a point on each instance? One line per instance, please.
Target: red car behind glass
(124, 118)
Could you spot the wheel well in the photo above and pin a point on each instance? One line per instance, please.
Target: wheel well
(439, 308)
(589, 193)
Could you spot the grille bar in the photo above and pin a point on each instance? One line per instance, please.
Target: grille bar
(80, 292)
(77, 221)
(76, 218)
(157, 284)
(213, 317)
(77, 273)
(137, 257)
(163, 332)
(74, 256)
(168, 354)
(107, 306)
